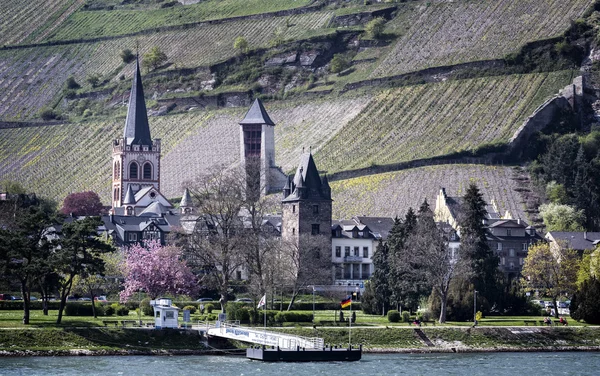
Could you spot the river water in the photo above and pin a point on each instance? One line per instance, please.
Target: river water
(488, 364)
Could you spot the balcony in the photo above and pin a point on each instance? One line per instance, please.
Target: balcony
(353, 259)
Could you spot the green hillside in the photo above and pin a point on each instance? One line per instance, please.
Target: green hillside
(373, 123)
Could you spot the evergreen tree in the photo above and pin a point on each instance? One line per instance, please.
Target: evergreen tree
(585, 304)
(381, 276)
(483, 262)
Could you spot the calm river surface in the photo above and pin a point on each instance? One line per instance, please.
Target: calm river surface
(488, 364)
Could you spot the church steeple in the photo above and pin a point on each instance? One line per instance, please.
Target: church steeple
(137, 129)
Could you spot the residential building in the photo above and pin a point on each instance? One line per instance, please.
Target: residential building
(353, 243)
(579, 241)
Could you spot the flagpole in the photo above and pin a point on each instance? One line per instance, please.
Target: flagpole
(350, 328)
(265, 317)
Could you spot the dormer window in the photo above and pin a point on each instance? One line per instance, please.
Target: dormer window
(508, 232)
(355, 233)
(129, 210)
(338, 233)
(145, 148)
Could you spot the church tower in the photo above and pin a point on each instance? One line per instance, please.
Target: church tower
(306, 204)
(136, 157)
(257, 151)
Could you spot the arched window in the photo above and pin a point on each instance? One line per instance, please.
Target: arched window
(147, 171)
(115, 195)
(133, 170)
(115, 174)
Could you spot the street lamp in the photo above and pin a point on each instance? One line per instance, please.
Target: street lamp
(475, 308)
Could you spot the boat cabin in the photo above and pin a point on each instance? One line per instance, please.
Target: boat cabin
(165, 314)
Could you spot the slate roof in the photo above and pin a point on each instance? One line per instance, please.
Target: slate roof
(137, 128)
(577, 240)
(186, 200)
(129, 197)
(378, 225)
(257, 115)
(307, 178)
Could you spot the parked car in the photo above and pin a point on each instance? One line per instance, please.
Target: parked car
(5, 297)
(85, 299)
(205, 300)
(71, 299)
(17, 298)
(32, 298)
(101, 299)
(244, 300)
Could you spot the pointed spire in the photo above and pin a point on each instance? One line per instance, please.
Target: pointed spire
(287, 188)
(129, 197)
(137, 129)
(257, 115)
(186, 200)
(325, 186)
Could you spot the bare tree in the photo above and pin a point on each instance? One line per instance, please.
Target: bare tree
(432, 260)
(215, 247)
(299, 267)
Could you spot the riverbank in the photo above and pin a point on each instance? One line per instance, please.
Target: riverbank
(130, 341)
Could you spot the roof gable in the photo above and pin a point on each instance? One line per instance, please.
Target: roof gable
(257, 115)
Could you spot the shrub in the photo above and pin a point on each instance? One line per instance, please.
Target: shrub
(127, 56)
(375, 27)
(72, 84)
(393, 316)
(190, 308)
(109, 310)
(120, 310)
(338, 64)
(405, 316)
(293, 317)
(47, 114)
(209, 308)
(83, 309)
(146, 307)
(240, 43)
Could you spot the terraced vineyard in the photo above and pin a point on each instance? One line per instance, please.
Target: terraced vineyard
(21, 19)
(391, 194)
(53, 159)
(92, 24)
(446, 33)
(30, 78)
(424, 121)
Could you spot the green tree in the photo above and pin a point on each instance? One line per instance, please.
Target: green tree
(25, 225)
(557, 193)
(551, 272)
(77, 252)
(127, 56)
(375, 27)
(338, 63)
(381, 276)
(475, 249)
(241, 44)
(558, 217)
(72, 84)
(585, 304)
(154, 58)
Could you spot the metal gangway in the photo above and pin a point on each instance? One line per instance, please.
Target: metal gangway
(232, 330)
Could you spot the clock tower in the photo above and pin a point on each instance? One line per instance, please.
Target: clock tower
(136, 157)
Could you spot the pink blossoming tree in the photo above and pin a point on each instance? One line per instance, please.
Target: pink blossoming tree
(157, 270)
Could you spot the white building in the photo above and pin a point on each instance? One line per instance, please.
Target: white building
(353, 243)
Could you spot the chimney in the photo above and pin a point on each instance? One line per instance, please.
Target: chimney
(585, 235)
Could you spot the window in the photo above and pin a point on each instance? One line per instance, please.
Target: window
(315, 209)
(169, 314)
(521, 261)
(511, 265)
(365, 252)
(293, 231)
(499, 246)
(129, 210)
(132, 237)
(366, 271)
(508, 232)
(502, 260)
(356, 251)
(238, 274)
(157, 314)
(511, 252)
(293, 208)
(346, 251)
(147, 171)
(133, 170)
(338, 251)
(315, 229)
(524, 246)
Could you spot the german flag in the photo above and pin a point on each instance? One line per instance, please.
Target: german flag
(346, 302)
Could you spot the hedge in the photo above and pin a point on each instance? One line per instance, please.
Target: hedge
(83, 309)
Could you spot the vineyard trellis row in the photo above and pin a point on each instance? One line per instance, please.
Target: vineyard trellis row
(391, 194)
(441, 119)
(448, 33)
